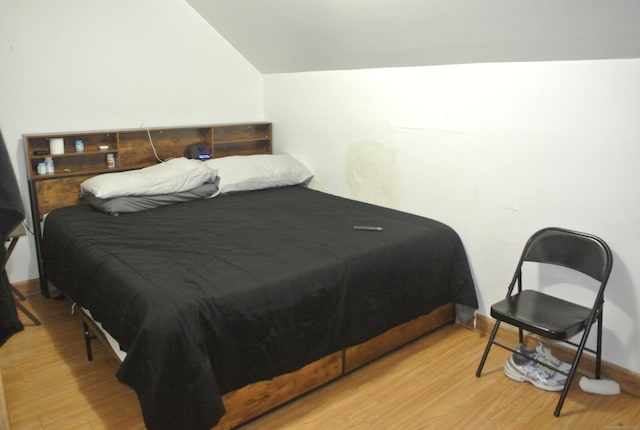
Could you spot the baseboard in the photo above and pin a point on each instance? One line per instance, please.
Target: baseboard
(31, 287)
(629, 381)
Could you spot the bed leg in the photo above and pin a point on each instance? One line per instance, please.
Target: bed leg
(87, 341)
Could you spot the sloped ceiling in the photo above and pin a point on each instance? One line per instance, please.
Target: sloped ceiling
(308, 35)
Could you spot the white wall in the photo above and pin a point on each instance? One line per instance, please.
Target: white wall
(83, 65)
(497, 151)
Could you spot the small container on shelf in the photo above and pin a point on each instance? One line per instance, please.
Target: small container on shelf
(56, 145)
(48, 161)
(111, 161)
(42, 168)
(79, 145)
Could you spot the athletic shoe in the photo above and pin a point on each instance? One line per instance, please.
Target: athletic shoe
(541, 353)
(522, 370)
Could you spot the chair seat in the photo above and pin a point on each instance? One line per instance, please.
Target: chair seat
(542, 314)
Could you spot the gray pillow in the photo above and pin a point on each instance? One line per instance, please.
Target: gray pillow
(172, 176)
(128, 204)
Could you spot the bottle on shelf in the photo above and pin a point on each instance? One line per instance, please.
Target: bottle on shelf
(79, 145)
(48, 161)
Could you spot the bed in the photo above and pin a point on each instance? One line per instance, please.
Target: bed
(231, 305)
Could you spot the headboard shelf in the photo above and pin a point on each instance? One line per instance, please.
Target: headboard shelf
(83, 172)
(132, 148)
(106, 151)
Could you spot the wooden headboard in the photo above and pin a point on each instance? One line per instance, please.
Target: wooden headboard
(108, 151)
(131, 149)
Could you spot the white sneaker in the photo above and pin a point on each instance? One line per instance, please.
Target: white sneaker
(541, 353)
(522, 370)
(544, 355)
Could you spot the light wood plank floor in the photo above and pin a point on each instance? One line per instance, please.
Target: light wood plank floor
(428, 384)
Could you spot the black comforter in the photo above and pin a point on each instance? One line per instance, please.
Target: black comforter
(208, 296)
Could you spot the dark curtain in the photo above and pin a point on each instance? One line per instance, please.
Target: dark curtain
(11, 215)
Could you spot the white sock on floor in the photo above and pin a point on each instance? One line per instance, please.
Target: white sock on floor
(605, 387)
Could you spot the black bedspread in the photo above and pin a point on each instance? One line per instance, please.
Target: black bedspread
(208, 296)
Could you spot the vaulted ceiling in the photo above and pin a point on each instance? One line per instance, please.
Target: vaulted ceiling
(307, 35)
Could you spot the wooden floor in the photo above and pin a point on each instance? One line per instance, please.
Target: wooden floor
(428, 384)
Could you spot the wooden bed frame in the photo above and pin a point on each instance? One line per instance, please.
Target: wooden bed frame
(256, 399)
(132, 150)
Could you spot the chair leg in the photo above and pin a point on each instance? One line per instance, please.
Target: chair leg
(564, 393)
(599, 345)
(17, 293)
(488, 348)
(572, 372)
(29, 315)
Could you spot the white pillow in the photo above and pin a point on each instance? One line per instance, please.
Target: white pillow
(255, 172)
(173, 176)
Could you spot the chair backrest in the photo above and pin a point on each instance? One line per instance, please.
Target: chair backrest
(583, 252)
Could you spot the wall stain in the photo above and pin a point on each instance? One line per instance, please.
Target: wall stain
(372, 174)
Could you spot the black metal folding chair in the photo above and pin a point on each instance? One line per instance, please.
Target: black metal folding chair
(549, 316)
